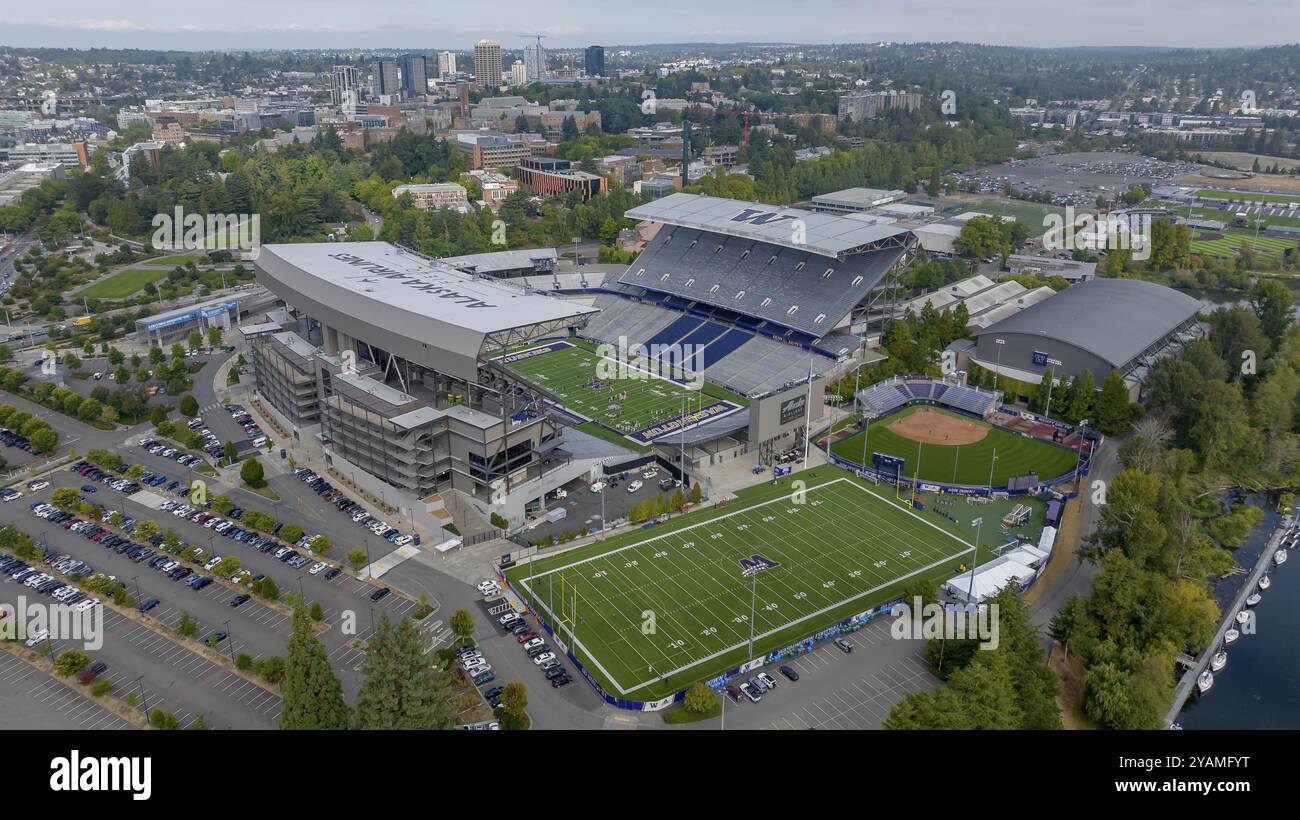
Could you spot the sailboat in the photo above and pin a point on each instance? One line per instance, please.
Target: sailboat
(1231, 636)
(1205, 681)
(1243, 617)
(1254, 598)
(1279, 557)
(1265, 582)
(1219, 661)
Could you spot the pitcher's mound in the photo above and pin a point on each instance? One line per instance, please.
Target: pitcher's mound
(932, 427)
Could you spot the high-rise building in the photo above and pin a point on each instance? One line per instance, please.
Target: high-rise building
(595, 62)
(487, 64)
(446, 64)
(415, 74)
(344, 81)
(384, 78)
(518, 73)
(535, 62)
(860, 106)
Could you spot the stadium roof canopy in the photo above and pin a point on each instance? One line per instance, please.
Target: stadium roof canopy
(823, 234)
(372, 279)
(1114, 319)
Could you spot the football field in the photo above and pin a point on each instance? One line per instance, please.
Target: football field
(650, 613)
(635, 402)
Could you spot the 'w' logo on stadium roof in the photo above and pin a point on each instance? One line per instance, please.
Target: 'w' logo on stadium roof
(756, 217)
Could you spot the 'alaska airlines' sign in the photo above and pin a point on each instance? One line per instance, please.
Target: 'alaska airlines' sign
(418, 281)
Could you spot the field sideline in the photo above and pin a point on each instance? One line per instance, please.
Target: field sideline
(842, 548)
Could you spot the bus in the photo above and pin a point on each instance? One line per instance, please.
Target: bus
(81, 321)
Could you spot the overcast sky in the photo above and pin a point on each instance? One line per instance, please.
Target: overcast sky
(430, 24)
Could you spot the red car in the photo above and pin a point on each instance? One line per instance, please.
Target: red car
(527, 636)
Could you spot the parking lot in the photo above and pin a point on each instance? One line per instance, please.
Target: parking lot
(34, 700)
(838, 690)
(583, 507)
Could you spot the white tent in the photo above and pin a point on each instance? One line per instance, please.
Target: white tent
(989, 579)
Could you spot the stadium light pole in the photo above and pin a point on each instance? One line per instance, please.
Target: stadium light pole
(992, 464)
(998, 371)
(1078, 477)
(752, 572)
(975, 561)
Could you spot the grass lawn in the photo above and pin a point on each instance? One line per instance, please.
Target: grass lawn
(1030, 213)
(177, 259)
(123, 283)
(656, 609)
(966, 464)
(640, 405)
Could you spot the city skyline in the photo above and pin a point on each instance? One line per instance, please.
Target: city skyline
(153, 24)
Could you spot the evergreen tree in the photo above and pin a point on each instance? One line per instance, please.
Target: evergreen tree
(312, 695)
(402, 690)
(1113, 413)
(1082, 390)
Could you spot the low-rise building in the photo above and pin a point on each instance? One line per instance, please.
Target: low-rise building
(434, 195)
(548, 176)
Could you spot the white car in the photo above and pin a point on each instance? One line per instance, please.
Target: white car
(316, 568)
(212, 562)
(488, 585)
(508, 617)
(36, 637)
(402, 540)
(766, 679)
(649, 474)
(534, 642)
(543, 658)
(89, 603)
(634, 486)
(37, 486)
(598, 487)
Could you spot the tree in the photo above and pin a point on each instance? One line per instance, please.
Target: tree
(188, 626)
(699, 699)
(272, 670)
(189, 406)
(157, 414)
(461, 624)
(311, 695)
(695, 493)
(1272, 302)
(70, 663)
(1082, 395)
(401, 689)
(514, 702)
(357, 558)
(251, 473)
(65, 497)
(1112, 406)
(290, 533)
(162, 719)
(214, 336)
(229, 452)
(44, 440)
(222, 504)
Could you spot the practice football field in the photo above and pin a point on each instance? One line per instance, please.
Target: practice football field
(624, 404)
(649, 613)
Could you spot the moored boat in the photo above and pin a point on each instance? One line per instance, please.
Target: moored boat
(1205, 681)
(1279, 557)
(1231, 636)
(1265, 582)
(1254, 598)
(1219, 661)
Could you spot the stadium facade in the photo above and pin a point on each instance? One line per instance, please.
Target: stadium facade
(386, 359)
(1100, 325)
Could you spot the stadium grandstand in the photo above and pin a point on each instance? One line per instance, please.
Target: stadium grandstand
(885, 397)
(763, 294)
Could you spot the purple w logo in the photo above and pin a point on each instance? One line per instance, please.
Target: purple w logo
(757, 217)
(757, 562)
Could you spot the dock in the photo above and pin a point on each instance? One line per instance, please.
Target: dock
(1187, 683)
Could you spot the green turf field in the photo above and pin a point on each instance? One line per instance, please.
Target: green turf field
(123, 283)
(624, 405)
(1228, 244)
(674, 599)
(968, 464)
(1206, 193)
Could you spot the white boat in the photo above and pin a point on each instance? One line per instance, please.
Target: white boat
(1265, 582)
(1243, 616)
(1219, 661)
(1254, 598)
(1205, 681)
(1231, 636)
(1279, 557)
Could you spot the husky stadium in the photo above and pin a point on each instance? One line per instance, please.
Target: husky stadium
(424, 376)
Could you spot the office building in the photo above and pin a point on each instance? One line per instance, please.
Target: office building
(487, 64)
(535, 62)
(415, 74)
(384, 78)
(548, 176)
(344, 82)
(446, 64)
(595, 61)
